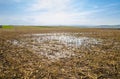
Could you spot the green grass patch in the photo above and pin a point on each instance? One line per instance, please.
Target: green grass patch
(7, 26)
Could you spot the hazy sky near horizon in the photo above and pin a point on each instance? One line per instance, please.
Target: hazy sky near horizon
(60, 12)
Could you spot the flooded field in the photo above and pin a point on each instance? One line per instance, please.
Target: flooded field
(56, 45)
(64, 53)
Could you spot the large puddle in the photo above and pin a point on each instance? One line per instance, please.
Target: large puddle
(55, 46)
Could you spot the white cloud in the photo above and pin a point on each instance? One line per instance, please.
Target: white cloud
(58, 12)
(50, 5)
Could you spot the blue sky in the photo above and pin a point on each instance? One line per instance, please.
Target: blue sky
(60, 12)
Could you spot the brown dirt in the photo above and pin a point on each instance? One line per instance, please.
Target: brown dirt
(101, 62)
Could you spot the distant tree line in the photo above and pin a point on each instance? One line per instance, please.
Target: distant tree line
(0, 26)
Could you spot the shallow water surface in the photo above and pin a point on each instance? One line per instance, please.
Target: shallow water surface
(55, 46)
